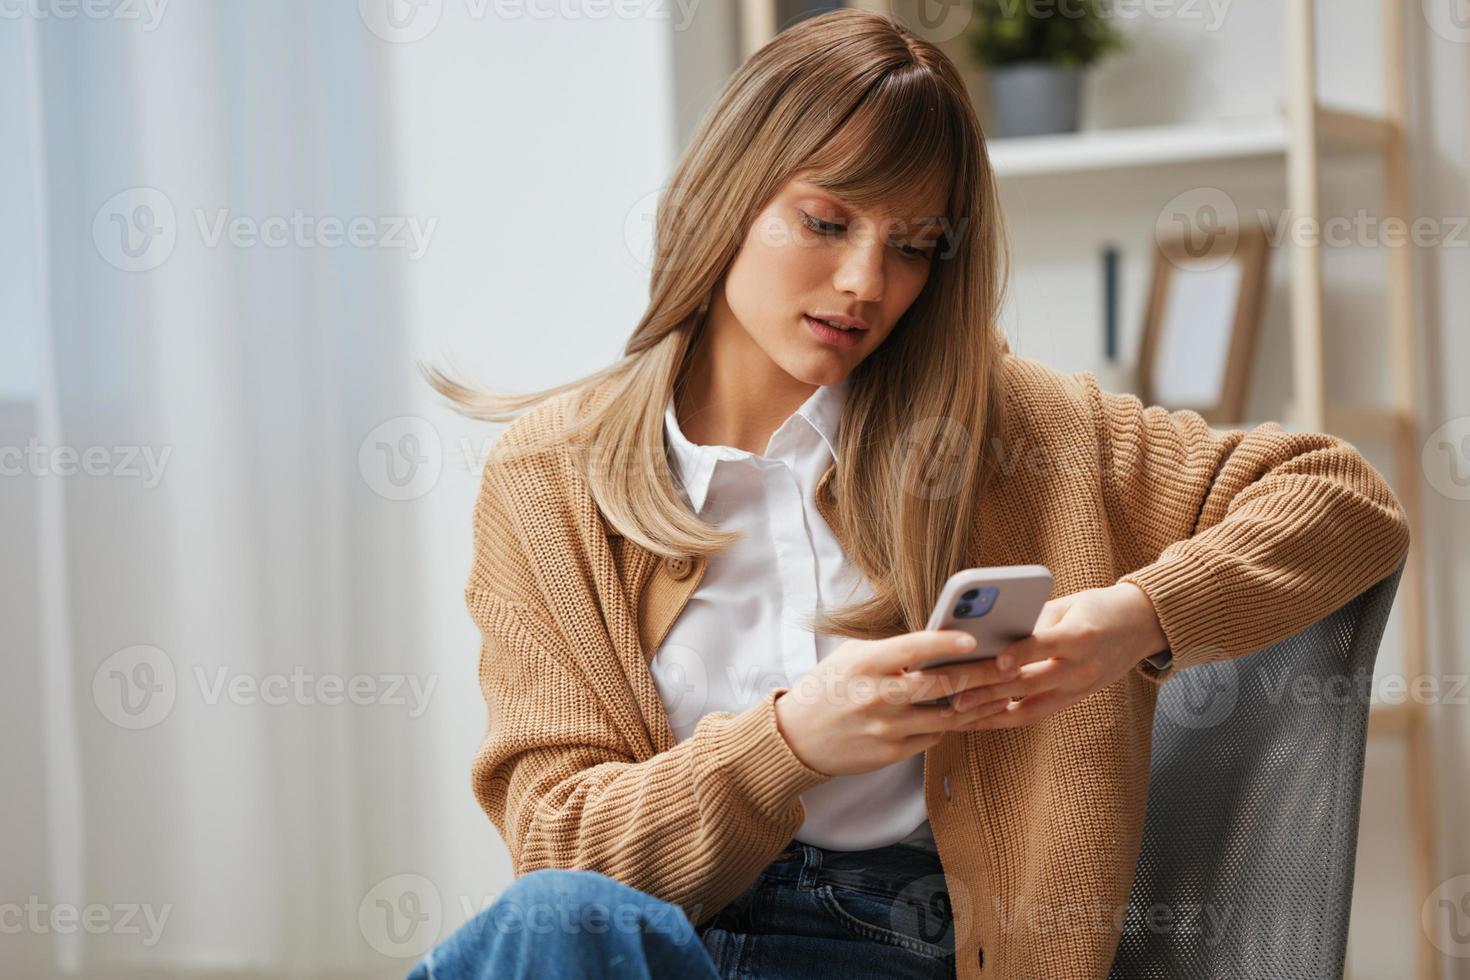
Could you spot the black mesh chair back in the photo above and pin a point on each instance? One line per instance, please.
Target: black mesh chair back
(1246, 869)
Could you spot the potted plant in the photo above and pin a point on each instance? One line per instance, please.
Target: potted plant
(1036, 51)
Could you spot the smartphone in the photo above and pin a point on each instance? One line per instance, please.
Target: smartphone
(997, 606)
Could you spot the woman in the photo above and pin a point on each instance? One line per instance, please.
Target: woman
(701, 574)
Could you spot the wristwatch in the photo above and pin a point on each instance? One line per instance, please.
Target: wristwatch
(1161, 660)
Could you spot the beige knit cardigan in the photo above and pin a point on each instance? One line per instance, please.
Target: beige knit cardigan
(1239, 537)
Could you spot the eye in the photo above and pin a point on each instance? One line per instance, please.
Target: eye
(914, 251)
(819, 226)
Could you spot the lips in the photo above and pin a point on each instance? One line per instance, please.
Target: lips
(839, 321)
(832, 336)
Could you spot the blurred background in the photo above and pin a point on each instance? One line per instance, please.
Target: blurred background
(240, 688)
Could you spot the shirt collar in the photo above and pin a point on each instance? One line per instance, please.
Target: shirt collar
(695, 464)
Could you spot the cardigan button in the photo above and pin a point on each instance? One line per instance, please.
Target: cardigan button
(946, 788)
(679, 566)
(980, 956)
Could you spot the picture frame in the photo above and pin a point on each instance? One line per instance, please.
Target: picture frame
(1202, 321)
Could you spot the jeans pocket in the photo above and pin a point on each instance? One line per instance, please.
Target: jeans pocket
(920, 923)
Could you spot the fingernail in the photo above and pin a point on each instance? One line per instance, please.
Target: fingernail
(1007, 664)
(965, 641)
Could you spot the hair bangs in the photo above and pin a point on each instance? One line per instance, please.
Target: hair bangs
(902, 144)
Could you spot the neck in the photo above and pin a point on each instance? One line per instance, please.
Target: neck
(733, 394)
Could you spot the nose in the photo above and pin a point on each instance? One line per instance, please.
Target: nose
(860, 272)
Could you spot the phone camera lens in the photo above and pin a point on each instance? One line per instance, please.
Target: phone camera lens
(963, 609)
(970, 593)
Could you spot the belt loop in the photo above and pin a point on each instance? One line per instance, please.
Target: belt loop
(811, 866)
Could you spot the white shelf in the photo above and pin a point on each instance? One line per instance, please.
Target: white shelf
(1152, 146)
(1109, 149)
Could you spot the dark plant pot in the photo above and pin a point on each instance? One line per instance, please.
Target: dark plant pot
(1032, 98)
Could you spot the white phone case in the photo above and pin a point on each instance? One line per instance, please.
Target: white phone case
(997, 606)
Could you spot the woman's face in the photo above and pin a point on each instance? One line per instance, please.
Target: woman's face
(809, 253)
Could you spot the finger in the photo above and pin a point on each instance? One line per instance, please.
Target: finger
(924, 719)
(935, 682)
(985, 709)
(1033, 679)
(979, 712)
(911, 650)
(1027, 711)
(920, 742)
(1029, 650)
(964, 718)
(1052, 612)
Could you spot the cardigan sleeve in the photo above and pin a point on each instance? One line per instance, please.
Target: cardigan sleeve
(1239, 538)
(693, 825)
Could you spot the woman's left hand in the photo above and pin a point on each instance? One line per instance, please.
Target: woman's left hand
(1082, 643)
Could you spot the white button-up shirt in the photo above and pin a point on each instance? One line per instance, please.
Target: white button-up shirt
(744, 631)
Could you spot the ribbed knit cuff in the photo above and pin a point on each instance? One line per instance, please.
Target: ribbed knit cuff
(1186, 599)
(758, 757)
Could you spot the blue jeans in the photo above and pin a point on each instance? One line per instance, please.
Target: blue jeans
(811, 912)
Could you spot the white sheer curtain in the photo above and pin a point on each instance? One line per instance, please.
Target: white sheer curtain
(241, 672)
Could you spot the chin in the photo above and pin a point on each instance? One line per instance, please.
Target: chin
(823, 370)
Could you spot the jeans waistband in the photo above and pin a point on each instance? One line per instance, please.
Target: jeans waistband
(884, 871)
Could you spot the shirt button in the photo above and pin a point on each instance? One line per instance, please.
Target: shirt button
(679, 566)
(946, 787)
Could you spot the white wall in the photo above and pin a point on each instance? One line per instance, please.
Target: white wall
(533, 142)
(20, 241)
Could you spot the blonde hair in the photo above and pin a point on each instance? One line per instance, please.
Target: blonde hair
(872, 112)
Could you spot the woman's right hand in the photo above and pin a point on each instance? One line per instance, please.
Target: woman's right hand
(856, 712)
